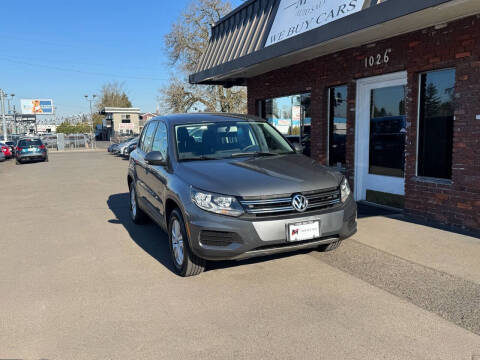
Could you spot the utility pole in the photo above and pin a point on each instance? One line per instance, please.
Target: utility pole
(90, 100)
(2, 103)
(8, 102)
(15, 119)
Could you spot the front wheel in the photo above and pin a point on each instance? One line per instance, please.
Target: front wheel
(185, 262)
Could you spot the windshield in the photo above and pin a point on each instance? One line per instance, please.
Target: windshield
(29, 142)
(220, 140)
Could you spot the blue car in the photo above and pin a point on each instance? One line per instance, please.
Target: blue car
(30, 149)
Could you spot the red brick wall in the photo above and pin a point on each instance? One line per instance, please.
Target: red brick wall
(454, 46)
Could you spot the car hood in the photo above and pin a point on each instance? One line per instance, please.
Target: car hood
(259, 176)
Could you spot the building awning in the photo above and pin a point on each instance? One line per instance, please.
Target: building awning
(250, 41)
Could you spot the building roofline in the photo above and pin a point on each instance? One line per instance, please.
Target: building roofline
(369, 17)
(109, 109)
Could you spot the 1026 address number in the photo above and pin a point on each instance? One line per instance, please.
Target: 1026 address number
(378, 59)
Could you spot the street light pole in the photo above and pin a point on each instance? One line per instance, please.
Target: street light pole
(8, 102)
(90, 100)
(2, 104)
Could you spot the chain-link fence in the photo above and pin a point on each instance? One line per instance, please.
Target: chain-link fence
(69, 141)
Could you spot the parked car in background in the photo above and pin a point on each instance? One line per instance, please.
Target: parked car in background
(128, 147)
(111, 147)
(30, 149)
(232, 187)
(2, 157)
(5, 149)
(11, 145)
(119, 150)
(128, 150)
(115, 148)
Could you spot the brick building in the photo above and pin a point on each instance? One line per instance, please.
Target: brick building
(386, 91)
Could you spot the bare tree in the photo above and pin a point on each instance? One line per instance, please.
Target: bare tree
(186, 43)
(112, 94)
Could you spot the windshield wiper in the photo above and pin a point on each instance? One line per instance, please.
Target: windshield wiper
(253, 153)
(198, 158)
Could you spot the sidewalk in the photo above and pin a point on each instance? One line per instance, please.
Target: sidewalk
(442, 250)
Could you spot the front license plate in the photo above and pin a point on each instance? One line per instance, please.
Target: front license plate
(303, 231)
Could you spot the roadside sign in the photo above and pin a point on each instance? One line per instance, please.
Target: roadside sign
(37, 106)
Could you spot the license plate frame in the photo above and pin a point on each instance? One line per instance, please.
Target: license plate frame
(306, 230)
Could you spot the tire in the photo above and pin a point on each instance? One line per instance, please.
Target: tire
(186, 264)
(136, 214)
(330, 247)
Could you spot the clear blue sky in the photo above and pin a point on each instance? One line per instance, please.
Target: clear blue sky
(96, 41)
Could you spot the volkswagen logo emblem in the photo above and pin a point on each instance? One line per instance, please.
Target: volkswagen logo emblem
(300, 203)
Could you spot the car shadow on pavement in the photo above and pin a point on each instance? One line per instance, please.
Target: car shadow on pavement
(153, 240)
(149, 236)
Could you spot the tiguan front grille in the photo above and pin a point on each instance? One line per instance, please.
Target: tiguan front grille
(317, 200)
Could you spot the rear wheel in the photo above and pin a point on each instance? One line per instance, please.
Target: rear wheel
(185, 262)
(136, 214)
(330, 247)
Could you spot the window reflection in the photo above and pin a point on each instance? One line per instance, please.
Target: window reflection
(436, 124)
(291, 115)
(387, 131)
(337, 125)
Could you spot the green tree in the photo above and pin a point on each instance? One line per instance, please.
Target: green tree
(185, 45)
(65, 128)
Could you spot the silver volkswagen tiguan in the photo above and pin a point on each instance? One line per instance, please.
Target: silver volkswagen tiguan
(229, 186)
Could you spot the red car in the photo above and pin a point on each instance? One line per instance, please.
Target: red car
(6, 151)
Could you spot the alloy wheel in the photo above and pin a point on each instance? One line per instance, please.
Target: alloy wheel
(177, 242)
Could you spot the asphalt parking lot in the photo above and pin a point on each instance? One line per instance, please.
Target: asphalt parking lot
(80, 281)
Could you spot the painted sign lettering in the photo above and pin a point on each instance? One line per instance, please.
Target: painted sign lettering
(295, 17)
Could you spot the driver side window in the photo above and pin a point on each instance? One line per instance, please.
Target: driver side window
(147, 137)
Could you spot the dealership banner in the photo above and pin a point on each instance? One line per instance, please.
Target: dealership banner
(295, 17)
(126, 126)
(37, 106)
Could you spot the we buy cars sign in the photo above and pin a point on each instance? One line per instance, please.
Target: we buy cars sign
(295, 17)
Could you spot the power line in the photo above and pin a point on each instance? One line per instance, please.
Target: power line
(75, 61)
(81, 71)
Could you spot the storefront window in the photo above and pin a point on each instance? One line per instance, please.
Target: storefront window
(435, 141)
(337, 134)
(387, 131)
(291, 115)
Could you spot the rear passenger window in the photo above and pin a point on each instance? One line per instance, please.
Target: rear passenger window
(148, 137)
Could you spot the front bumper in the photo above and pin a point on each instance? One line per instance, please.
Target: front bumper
(265, 236)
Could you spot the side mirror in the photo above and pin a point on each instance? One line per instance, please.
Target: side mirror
(155, 158)
(298, 148)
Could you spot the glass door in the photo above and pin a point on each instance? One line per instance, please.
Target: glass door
(380, 139)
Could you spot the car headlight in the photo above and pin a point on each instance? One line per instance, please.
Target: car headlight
(344, 190)
(216, 203)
